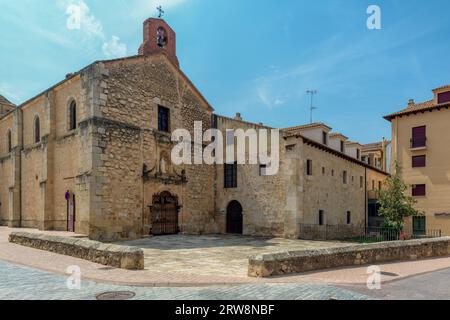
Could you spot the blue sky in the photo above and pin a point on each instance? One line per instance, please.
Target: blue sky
(257, 57)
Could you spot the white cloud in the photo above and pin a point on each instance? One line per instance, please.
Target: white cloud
(114, 48)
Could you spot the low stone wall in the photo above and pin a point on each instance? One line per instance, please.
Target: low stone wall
(267, 265)
(116, 256)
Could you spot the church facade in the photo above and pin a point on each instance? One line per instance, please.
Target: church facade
(92, 155)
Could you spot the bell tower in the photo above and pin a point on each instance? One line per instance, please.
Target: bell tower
(159, 38)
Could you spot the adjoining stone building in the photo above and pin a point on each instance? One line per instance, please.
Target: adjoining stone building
(92, 154)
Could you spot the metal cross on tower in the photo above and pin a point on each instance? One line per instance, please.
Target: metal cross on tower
(312, 93)
(160, 11)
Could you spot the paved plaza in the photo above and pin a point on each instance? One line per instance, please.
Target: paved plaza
(223, 255)
(201, 262)
(22, 283)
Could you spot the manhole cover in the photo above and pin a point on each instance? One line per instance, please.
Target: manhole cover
(117, 295)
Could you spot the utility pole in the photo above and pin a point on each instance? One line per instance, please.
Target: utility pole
(312, 93)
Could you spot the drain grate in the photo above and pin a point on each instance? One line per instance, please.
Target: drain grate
(116, 295)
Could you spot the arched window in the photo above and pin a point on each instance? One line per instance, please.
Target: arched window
(72, 115)
(37, 130)
(9, 141)
(161, 37)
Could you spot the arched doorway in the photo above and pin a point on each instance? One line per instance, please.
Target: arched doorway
(234, 218)
(164, 214)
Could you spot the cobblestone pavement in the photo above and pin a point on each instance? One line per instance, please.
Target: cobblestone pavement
(430, 286)
(23, 283)
(207, 255)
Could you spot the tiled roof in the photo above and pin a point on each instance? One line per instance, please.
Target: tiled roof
(337, 134)
(442, 88)
(3, 100)
(307, 126)
(418, 107)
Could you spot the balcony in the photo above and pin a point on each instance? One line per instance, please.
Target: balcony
(418, 143)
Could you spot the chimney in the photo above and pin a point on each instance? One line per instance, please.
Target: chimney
(238, 117)
(411, 103)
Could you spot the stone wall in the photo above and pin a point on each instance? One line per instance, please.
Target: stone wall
(116, 256)
(267, 265)
(132, 158)
(262, 197)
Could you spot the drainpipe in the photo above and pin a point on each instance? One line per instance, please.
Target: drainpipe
(366, 203)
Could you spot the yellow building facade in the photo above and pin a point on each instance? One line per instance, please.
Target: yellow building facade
(420, 146)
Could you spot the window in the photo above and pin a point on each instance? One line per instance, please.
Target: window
(419, 138)
(161, 37)
(332, 173)
(419, 161)
(373, 184)
(361, 181)
(37, 130)
(380, 185)
(72, 115)
(324, 137)
(9, 141)
(344, 177)
(321, 218)
(309, 167)
(230, 175)
(358, 154)
(263, 170)
(349, 217)
(419, 190)
(444, 97)
(323, 170)
(369, 161)
(342, 146)
(163, 119)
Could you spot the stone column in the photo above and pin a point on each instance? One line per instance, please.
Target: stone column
(14, 209)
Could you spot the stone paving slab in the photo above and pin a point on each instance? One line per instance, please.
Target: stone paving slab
(23, 283)
(155, 278)
(219, 255)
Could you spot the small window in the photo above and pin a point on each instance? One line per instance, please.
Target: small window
(163, 119)
(37, 130)
(444, 97)
(9, 141)
(72, 115)
(342, 146)
(309, 168)
(263, 170)
(380, 185)
(419, 137)
(419, 190)
(358, 154)
(373, 184)
(321, 218)
(332, 173)
(323, 170)
(344, 177)
(230, 176)
(324, 138)
(361, 181)
(419, 161)
(349, 217)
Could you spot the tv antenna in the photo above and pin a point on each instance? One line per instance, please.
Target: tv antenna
(312, 93)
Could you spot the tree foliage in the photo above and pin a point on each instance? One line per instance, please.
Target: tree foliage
(395, 205)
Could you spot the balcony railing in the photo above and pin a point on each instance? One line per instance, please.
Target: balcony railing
(418, 143)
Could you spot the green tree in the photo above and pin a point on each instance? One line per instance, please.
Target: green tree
(395, 205)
